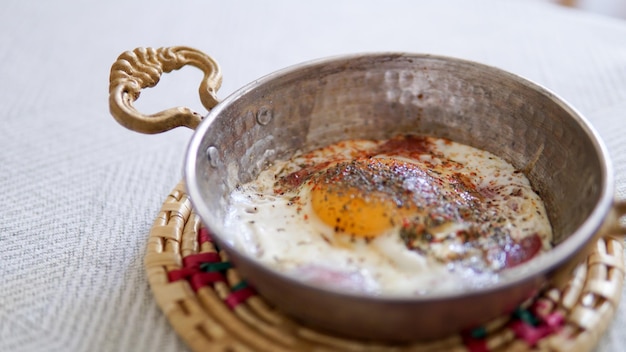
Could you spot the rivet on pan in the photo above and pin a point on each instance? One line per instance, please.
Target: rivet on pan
(264, 116)
(213, 155)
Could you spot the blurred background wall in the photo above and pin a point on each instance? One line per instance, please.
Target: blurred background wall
(613, 8)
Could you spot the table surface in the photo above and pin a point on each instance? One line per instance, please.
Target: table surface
(81, 192)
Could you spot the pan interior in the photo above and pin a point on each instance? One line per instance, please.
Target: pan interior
(375, 97)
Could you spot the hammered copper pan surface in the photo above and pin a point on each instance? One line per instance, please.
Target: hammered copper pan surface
(382, 95)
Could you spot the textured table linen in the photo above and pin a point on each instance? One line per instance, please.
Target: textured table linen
(80, 192)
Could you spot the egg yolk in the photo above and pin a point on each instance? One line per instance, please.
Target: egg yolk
(365, 197)
(352, 212)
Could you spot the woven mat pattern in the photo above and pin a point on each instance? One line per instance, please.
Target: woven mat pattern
(213, 309)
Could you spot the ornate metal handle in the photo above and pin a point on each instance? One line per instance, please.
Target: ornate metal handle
(142, 68)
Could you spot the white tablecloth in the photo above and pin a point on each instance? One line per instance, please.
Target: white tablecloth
(80, 192)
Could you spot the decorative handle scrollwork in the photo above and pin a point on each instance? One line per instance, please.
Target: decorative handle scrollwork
(142, 68)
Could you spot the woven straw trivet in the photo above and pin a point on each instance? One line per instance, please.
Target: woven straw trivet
(212, 309)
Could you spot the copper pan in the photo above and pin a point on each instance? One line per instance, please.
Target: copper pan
(377, 96)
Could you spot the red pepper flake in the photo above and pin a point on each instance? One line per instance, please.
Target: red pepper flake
(413, 146)
(297, 178)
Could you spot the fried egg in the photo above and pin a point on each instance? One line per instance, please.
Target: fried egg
(405, 216)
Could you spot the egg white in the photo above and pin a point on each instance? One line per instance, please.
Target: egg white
(284, 232)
